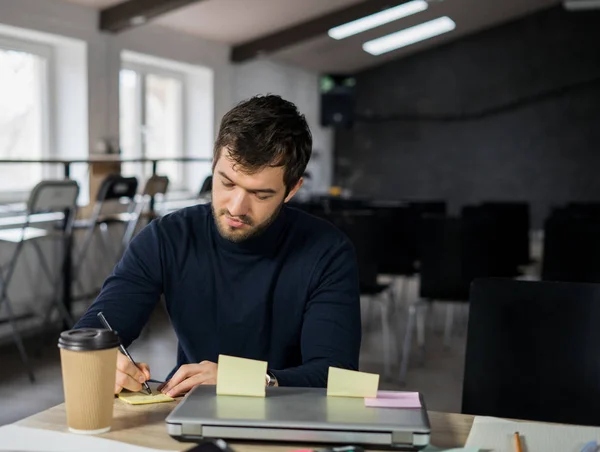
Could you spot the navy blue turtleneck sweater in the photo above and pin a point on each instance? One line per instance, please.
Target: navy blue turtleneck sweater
(289, 296)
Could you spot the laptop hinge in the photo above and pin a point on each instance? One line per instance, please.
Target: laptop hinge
(191, 430)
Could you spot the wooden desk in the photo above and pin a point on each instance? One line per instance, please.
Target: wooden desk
(143, 425)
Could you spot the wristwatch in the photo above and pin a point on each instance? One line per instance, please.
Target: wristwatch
(271, 379)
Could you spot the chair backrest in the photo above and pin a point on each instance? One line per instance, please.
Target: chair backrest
(53, 196)
(533, 351)
(206, 186)
(514, 217)
(396, 239)
(156, 185)
(360, 228)
(487, 248)
(441, 259)
(571, 247)
(115, 186)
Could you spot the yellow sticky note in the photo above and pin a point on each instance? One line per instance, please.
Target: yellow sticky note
(241, 376)
(141, 398)
(350, 383)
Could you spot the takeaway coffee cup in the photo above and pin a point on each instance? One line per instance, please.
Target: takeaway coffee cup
(89, 362)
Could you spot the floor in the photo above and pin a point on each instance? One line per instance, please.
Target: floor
(439, 377)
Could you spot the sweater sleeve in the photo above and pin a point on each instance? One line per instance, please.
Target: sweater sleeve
(130, 293)
(331, 330)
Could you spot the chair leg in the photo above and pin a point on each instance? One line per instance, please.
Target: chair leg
(17, 337)
(422, 309)
(369, 312)
(79, 259)
(55, 281)
(406, 346)
(448, 326)
(405, 285)
(386, 338)
(108, 254)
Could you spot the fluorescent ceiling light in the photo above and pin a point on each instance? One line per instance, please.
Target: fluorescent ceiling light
(409, 36)
(576, 5)
(377, 19)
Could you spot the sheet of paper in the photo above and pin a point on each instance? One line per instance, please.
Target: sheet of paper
(394, 399)
(350, 383)
(241, 376)
(141, 398)
(496, 435)
(459, 449)
(26, 439)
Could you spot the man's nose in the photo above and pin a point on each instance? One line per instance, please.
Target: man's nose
(239, 204)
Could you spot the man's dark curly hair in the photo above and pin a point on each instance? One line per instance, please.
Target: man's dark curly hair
(266, 131)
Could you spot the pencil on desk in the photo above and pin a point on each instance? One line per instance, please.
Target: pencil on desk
(518, 443)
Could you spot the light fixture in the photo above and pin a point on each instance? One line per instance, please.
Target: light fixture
(409, 36)
(581, 5)
(377, 19)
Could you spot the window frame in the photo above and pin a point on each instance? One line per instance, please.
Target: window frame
(142, 71)
(49, 150)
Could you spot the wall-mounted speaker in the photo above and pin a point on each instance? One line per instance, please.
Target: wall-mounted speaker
(338, 99)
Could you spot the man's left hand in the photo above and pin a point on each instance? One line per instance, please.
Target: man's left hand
(188, 376)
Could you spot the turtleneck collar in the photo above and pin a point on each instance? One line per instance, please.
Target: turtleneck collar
(266, 243)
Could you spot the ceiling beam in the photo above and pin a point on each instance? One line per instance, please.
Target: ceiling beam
(131, 13)
(309, 29)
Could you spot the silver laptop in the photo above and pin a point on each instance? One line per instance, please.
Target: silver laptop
(304, 415)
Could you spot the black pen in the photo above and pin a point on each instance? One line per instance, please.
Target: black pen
(123, 349)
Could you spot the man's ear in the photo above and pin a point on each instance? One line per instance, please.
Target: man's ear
(294, 190)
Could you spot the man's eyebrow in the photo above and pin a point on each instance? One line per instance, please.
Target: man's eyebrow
(258, 190)
(225, 176)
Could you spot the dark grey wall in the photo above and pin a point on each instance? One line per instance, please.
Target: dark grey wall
(509, 113)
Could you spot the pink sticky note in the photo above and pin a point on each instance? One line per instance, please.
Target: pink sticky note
(394, 399)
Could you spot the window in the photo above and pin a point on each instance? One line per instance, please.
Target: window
(23, 114)
(151, 121)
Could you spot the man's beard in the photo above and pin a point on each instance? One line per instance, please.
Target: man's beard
(233, 234)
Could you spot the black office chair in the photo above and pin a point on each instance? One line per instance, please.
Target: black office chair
(494, 233)
(441, 278)
(454, 252)
(533, 351)
(514, 217)
(206, 186)
(116, 203)
(396, 243)
(361, 228)
(571, 246)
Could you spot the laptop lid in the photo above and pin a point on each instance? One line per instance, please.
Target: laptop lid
(298, 415)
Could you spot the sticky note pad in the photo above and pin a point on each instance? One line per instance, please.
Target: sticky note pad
(241, 376)
(350, 383)
(141, 398)
(394, 399)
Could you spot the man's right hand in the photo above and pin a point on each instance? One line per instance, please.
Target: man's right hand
(129, 376)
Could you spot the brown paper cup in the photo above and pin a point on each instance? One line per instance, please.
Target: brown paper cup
(88, 359)
(89, 384)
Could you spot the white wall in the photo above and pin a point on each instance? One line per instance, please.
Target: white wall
(232, 83)
(301, 87)
(104, 50)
